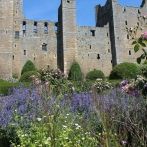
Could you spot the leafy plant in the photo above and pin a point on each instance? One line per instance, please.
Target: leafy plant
(75, 72)
(101, 85)
(26, 77)
(29, 66)
(94, 74)
(125, 71)
(140, 44)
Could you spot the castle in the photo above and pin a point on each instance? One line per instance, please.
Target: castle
(59, 44)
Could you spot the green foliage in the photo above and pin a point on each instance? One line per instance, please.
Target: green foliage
(125, 70)
(29, 66)
(5, 87)
(144, 70)
(101, 85)
(140, 44)
(75, 73)
(95, 74)
(26, 77)
(61, 129)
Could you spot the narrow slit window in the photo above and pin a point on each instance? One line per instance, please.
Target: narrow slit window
(24, 52)
(46, 27)
(35, 27)
(90, 46)
(44, 47)
(129, 52)
(126, 22)
(98, 56)
(92, 33)
(124, 10)
(24, 28)
(127, 36)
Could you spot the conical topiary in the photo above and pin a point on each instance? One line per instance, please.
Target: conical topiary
(29, 66)
(75, 73)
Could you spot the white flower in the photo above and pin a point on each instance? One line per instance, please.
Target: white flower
(64, 126)
(39, 119)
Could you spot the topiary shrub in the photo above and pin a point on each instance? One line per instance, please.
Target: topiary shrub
(75, 73)
(125, 71)
(26, 77)
(95, 74)
(144, 70)
(29, 66)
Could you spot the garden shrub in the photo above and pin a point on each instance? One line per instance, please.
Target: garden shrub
(26, 77)
(29, 66)
(95, 74)
(6, 86)
(75, 73)
(125, 70)
(144, 70)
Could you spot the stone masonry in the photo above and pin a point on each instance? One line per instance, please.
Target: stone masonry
(59, 44)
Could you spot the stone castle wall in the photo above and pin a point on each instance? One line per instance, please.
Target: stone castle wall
(6, 38)
(38, 43)
(94, 49)
(50, 44)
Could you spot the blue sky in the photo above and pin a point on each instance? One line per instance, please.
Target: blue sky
(48, 9)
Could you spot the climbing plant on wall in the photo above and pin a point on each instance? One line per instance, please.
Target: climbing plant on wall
(141, 44)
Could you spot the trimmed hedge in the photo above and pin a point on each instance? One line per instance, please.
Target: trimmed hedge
(125, 71)
(6, 86)
(29, 66)
(75, 72)
(95, 74)
(26, 76)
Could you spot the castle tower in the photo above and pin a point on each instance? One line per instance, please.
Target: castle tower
(6, 38)
(67, 30)
(17, 42)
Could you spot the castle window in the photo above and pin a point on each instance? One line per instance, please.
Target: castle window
(129, 52)
(139, 11)
(68, 1)
(46, 27)
(126, 22)
(124, 10)
(98, 56)
(24, 28)
(35, 27)
(107, 34)
(90, 46)
(109, 51)
(16, 34)
(44, 47)
(92, 32)
(24, 52)
(13, 57)
(127, 36)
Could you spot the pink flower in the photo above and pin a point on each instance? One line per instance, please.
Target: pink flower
(145, 35)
